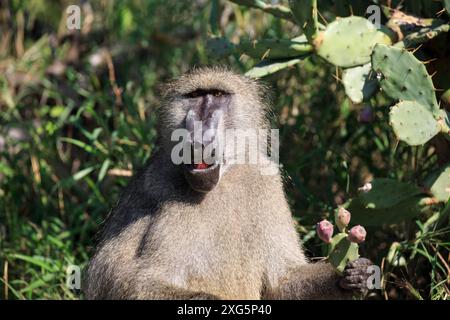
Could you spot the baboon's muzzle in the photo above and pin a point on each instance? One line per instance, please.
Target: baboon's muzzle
(204, 122)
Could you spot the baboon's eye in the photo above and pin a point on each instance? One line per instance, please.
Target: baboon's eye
(193, 94)
(218, 93)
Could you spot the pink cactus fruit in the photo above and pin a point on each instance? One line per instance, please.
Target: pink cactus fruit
(357, 234)
(366, 115)
(325, 230)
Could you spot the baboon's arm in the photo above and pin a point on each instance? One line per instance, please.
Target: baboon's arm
(315, 281)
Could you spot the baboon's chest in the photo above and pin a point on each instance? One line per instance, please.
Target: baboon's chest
(217, 252)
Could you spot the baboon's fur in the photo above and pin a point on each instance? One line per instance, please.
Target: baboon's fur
(165, 241)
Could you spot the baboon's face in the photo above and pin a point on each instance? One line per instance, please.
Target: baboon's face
(208, 111)
(206, 106)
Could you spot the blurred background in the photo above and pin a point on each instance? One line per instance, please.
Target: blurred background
(77, 118)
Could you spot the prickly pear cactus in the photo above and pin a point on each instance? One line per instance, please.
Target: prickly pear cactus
(402, 211)
(219, 47)
(305, 14)
(385, 193)
(348, 42)
(268, 67)
(372, 58)
(274, 48)
(403, 77)
(413, 123)
(439, 184)
(342, 251)
(360, 83)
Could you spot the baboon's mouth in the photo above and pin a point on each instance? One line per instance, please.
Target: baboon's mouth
(202, 177)
(203, 166)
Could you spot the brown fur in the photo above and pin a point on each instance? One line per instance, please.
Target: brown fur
(166, 241)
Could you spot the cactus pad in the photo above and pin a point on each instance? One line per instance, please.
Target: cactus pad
(360, 83)
(267, 67)
(367, 216)
(403, 77)
(439, 184)
(219, 47)
(413, 123)
(342, 251)
(348, 42)
(274, 48)
(386, 193)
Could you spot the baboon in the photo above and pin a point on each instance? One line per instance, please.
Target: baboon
(209, 231)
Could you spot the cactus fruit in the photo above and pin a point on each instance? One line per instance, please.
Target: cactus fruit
(357, 234)
(439, 184)
(267, 67)
(342, 218)
(342, 251)
(360, 83)
(403, 77)
(413, 123)
(366, 115)
(324, 230)
(306, 15)
(348, 42)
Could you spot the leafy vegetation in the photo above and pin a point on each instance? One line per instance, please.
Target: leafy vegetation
(77, 118)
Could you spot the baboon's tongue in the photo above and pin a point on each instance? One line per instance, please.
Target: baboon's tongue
(201, 166)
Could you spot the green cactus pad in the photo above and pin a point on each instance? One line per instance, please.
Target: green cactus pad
(403, 77)
(367, 216)
(413, 123)
(219, 47)
(277, 10)
(386, 193)
(274, 48)
(348, 42)
(342, 251)
(425, 34)
(360, 83)
(439, 184)
(268, 67)
(305, 14)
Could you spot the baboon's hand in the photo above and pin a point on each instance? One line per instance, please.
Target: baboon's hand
(355, 276)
